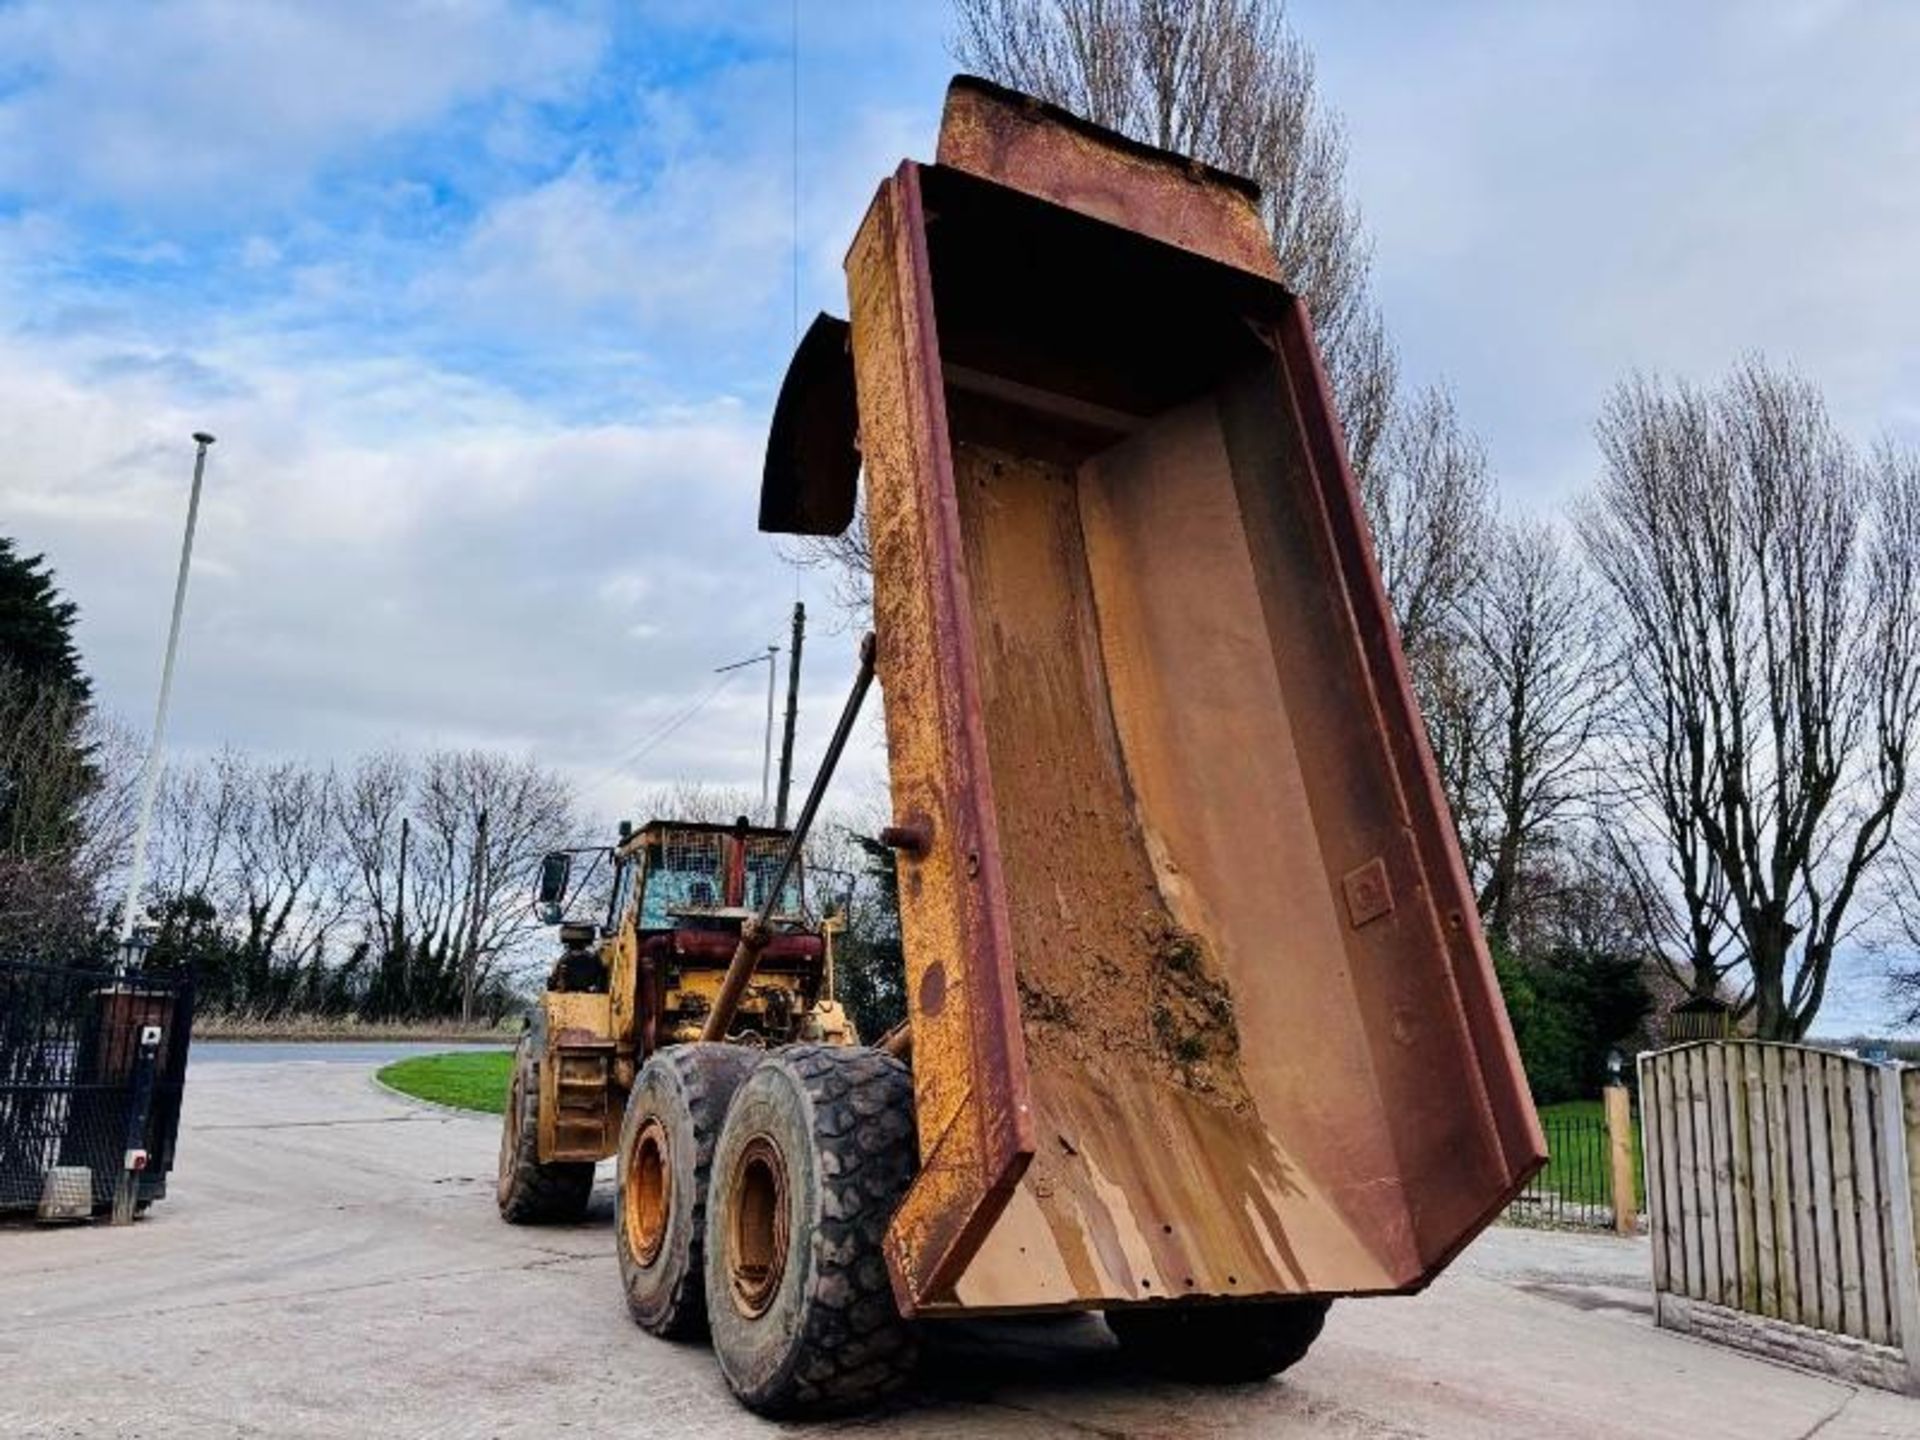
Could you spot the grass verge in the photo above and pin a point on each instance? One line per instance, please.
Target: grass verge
(475, 1081)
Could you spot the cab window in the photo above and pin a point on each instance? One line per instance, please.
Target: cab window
(622, 893)
(686, 875)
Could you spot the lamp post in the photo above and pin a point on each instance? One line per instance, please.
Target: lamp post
(150, 770)
(766, 758)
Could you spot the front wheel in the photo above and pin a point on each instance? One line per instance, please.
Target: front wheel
(816, 1154)
(1219, 1344)
(528, 1192)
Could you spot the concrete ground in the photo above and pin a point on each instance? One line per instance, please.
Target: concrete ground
(329, 1264)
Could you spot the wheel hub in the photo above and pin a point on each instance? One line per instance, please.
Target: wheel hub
(757, 1229)
(645, 1198)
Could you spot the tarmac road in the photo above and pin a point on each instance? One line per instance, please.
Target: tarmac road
(329, 1263)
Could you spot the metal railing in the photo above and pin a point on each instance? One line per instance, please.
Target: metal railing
(1575, 1188)
(71, 1076)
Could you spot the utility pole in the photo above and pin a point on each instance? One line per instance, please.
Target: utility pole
(399, 945)
(476, 918)
(150, 769)
(793, 715)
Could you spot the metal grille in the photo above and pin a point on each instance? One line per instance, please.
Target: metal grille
(69, 1040)
(764, 853)
(689, 875)
(1576, 1187)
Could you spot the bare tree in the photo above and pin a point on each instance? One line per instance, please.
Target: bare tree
(288, 878)
(195, 819)
(1515, 708)
(1766, 578)
(481, 823)
(1429, 502)
(1227, 81)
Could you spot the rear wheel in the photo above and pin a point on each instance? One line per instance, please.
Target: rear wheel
(816, 1153)
(1219, 1344)
(528, 1192)
(673, 1118)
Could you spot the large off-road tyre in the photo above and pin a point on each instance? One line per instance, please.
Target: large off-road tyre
(1219, 1344)
(817, 1151)
(674, 1115)
(528, 1192)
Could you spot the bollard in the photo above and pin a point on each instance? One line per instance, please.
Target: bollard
(1626, 1213)
(139, 1105)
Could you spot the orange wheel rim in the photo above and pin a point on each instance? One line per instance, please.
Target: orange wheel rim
(757, 1227)
(646, 1198)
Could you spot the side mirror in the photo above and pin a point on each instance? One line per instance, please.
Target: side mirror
(555, 871)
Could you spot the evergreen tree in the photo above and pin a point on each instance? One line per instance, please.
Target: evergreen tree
(36, 624)
(46, 767)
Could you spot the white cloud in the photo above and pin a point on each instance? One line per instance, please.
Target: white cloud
(1564, 193)
(228, 103)
(700, 245)
(477, 574)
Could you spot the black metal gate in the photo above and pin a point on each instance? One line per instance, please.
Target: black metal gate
(1576, 1187)
(71, 1074)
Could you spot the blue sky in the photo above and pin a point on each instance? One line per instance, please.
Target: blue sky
(487, 300)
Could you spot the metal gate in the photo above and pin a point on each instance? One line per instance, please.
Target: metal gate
(1575, 1188)
(71, 1072)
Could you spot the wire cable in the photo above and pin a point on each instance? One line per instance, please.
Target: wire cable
(654, 738)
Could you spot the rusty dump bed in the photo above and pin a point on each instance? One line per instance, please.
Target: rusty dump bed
(1200, 1006)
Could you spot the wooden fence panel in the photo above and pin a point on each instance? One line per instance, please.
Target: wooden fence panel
(1846, 1203)
(1703, 1246)
(1871, 1197)
(1654, 1147)
(1901, 1104)
(1781, 1182)
(1826, 1221)
(1766, 1291)
(1725, 1199)
(1670, 1124)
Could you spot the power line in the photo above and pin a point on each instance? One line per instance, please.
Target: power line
(658, 736)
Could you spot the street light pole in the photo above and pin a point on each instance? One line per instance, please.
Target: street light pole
(150, 770)
(766, 755)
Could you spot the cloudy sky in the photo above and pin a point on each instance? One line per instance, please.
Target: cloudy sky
(487, 302)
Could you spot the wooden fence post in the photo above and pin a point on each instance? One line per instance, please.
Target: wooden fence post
(1905, 1259)
(1626, 1212)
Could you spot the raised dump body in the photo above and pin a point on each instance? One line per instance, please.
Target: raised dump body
(1200, 1006)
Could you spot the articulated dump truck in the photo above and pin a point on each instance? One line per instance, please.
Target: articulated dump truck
(1202, 1029)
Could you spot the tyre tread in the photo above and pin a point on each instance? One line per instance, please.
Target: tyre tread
(538, 1194)
(855, 1349)
(707, 1075)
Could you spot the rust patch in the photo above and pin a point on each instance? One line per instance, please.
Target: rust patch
(933, 990)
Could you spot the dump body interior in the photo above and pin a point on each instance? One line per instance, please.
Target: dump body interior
(1263, 1051)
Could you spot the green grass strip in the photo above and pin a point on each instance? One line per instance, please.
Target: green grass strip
(474, 1080)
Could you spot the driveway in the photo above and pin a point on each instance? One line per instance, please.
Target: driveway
(329, 1264)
